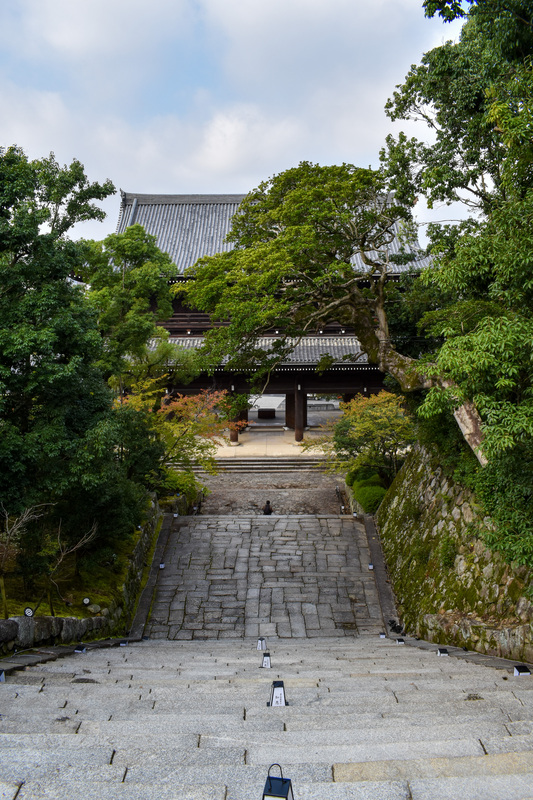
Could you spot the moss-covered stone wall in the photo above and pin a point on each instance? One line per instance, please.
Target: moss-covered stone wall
(450, 588)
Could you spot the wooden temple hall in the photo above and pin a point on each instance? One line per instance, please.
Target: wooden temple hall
(190, 226)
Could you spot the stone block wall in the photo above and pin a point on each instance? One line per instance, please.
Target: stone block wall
(26, 632)
(450, 588)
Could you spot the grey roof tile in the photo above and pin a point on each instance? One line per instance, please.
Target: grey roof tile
(344, 349)
(186, 227)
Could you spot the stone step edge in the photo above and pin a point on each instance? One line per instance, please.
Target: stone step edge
(513, 763)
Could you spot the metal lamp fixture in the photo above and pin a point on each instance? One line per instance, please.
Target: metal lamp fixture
(277, 787)
(261, 643)
(266, 661)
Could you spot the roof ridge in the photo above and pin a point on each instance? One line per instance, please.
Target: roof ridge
(180, 199)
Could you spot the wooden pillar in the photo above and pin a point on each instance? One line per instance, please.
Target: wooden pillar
(289, 410)
(300, 408)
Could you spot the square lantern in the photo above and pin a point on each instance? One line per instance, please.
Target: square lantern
(521, 669)
(2, 676)
(261, 643)
(266, 661)
(276, 788)
(277, 695)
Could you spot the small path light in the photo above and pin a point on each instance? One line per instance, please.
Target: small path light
(277, 787)
(400, 641)
(162, 565)
(28, 612)
(382, 635)
(2, 676)
(266, 661)
(521, 669)
(277, 696)
(370, 566)
(261, 643)
(442, 651)
(86, 601)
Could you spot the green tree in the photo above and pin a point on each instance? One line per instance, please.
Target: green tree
(374, 432)
(50, 391)
(462, 156)
(128, 279)
(313, 244)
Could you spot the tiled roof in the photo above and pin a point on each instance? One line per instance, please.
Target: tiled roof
(344, 349)
(186, 226)
(189, 226)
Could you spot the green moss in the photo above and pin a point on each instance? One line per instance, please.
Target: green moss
(515, 590)
(447, 552)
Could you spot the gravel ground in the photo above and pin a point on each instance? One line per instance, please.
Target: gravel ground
(298, 492)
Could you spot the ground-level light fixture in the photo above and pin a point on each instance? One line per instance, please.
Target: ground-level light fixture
(261, 643)
(28, 611)
(277, 695)
(266, 661)
(400, 641)
(277, 787)
(370, 566)
(441, 651)
(382, 635)
(162, 565)
(521, 669)
(86, 601)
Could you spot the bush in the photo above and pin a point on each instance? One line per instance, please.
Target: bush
(369, 497)
(363, 476)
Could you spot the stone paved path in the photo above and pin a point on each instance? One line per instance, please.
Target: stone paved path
(285, 576)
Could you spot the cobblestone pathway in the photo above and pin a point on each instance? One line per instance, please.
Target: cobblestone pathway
(285, 576)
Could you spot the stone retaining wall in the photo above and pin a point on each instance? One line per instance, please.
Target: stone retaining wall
(450, 588)
(26, 632)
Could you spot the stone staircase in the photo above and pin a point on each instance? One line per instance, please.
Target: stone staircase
(368, 719)
(267, 464)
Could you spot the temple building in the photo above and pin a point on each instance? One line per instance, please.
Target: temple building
(188, 227)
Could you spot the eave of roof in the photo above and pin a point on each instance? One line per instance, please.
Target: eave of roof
(345, 350)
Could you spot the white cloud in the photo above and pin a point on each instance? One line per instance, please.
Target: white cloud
(92, 29)
(203, 95)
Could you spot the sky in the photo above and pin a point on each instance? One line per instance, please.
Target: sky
(204, 96)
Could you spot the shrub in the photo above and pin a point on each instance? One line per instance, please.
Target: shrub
(369, 497)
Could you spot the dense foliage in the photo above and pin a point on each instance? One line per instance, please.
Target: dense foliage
(77, 453)
(373, 433)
